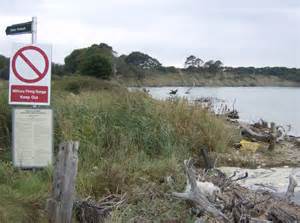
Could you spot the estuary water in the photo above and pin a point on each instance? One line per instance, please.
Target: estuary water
(273, 104)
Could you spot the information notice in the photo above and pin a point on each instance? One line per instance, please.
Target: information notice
(32, 137)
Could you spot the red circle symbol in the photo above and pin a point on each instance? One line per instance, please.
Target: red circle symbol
(20, 53)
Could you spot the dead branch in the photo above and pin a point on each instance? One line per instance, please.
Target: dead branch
(90, 211)
(194, 194)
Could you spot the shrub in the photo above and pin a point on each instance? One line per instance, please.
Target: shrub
(97, 66)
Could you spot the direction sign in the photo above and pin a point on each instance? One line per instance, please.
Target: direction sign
(30, 75)
(21, 28)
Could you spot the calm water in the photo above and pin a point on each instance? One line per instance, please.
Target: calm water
(278, 104)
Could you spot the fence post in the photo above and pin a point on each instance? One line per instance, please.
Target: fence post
(60, 205)
(207, 160)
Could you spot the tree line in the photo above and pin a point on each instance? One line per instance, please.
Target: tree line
(100, 60)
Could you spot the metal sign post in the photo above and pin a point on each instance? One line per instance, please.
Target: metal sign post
(33, 30)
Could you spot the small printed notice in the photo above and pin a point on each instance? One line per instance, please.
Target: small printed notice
(32, 137)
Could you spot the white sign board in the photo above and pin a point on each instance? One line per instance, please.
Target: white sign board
(32, 137)
(30, 74)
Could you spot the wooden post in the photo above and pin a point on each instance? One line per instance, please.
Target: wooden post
(291, 188)
(60, 205)
(207, 160)
(273, 137)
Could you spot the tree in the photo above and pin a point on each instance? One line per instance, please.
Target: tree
(96, 65)
(58, 69)
(142, 60)
(218, 64)
(213, 66)
(193, 61)
(74, 60)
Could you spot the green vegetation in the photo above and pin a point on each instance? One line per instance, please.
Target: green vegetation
(97, 66)
(142, 60)
(102, 61)
(129, 143)
(96, 60)
(4, 67)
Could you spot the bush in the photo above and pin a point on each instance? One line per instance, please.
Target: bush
(97, 66)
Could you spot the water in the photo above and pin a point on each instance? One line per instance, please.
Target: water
(273, 104)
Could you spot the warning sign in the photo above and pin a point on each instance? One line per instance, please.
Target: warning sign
(30, 75)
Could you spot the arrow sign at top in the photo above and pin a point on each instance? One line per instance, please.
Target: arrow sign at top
(19, 28)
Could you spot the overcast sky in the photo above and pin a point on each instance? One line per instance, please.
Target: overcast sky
(237, 32)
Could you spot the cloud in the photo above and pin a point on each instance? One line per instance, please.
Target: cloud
(240, 33)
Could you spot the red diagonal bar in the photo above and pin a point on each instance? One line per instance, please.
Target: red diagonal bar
(30, 64)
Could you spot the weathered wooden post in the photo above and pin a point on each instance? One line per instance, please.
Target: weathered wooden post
(273, 137)
(207, 160)
(60, 205)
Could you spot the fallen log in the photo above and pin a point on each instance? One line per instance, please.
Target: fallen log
(246, 131)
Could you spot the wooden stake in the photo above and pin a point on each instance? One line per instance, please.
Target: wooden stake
(60, 205)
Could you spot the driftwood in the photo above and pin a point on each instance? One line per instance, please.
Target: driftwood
(234, 203)
(60, 205)
(233, 114)
(194, 194)
(249, 133)
(260, 131)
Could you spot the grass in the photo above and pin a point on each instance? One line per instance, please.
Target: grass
(129, 143)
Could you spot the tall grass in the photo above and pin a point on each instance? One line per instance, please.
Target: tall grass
(129, 143)
(5, 117)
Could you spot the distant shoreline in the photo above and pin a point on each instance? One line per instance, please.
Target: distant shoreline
(189, 80)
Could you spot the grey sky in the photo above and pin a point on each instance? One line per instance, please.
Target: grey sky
(238, 32)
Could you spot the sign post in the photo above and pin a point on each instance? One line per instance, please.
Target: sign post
(34, 30)
(30, 85)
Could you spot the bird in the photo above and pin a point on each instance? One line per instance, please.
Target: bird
(173, 92)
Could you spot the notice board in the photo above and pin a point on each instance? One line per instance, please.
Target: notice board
(32, 137)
